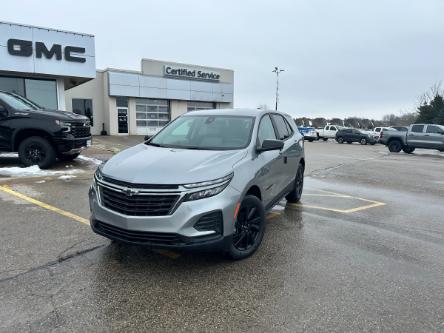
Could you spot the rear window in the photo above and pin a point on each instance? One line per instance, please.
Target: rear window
(434, 129)
(417, 128)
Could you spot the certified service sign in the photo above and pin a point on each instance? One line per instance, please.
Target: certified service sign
(190, 73)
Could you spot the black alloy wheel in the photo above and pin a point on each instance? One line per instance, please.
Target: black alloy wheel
(37, 151)
(340, 139)
(363, 141)
(248, 229)
(408, 149)
(295, 195)
(394, 146)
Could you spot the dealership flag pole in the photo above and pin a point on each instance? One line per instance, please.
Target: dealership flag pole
(277, 71)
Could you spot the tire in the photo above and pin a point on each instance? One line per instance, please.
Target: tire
(394, 146)
(68, 158)
(340, 140)
(325, 139)
(36, 150)
(295, 195)
(310, 140)
(249, 229)
(349, 142)
(372, 143)
(408, 150)
(363, 141)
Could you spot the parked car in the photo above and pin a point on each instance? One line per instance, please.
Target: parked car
(376, 132)
(38, 135)
(399, 128)
(204, 181)
(427, 136)
(309, 133)
(328, 132)
(351, 135)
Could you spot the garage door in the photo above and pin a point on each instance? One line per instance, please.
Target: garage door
(151, 115)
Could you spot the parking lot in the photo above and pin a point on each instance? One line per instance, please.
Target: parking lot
(364, 251)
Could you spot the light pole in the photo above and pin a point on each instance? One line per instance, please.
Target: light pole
(277, 70)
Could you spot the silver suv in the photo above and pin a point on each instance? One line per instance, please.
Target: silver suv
(204, 181)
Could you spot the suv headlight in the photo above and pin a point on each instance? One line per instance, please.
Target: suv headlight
(219, 185)
(99, 175)
(66, 127)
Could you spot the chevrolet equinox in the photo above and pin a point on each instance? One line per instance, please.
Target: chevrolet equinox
(205, 180)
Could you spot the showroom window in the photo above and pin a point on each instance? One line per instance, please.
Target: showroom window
(152, 112)
(41, 92)
(84, 107)
(194, 106)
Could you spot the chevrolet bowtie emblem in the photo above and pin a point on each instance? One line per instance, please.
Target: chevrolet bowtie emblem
(129, 192)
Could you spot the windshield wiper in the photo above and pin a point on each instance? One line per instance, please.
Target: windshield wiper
(154, 144)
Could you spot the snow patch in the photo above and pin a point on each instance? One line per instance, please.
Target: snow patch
(90, 159)
(14, 155)
(66, 177)
(34, 171)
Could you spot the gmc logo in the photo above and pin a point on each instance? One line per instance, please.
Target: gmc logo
(23, 48)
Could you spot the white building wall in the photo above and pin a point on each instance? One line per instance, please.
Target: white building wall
(178, 108)
(61, 94)
(94, 90)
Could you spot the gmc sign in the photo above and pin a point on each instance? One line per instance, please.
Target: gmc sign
(24, 48)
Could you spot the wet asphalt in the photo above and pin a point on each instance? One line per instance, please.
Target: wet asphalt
(363, 252)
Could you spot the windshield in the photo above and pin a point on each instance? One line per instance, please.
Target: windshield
(18, 103)
(206, 133)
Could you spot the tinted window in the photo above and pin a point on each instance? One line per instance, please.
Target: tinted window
(83, 107)
(434, 129)
(42, 92)
(377, 129)
(347, 131)
(266, 130)
(281, 127)
(122, 102)
(17, 103)
(417, 128)
(332, 128)
(290, 130)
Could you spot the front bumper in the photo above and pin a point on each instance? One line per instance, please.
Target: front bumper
(169, 231)
(71, 145)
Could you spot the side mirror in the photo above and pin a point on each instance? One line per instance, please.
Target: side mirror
(271, 145)
(147, 137)
(3, 111)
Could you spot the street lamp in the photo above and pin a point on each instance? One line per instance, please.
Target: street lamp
(277, 70)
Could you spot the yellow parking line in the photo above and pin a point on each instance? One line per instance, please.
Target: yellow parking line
(43, 205)
(7, 189)
(372, 204)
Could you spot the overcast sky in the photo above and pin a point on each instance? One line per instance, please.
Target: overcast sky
(341, 57)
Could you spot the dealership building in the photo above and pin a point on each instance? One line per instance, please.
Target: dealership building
(57, 70)
(124, 102)
(41, 63)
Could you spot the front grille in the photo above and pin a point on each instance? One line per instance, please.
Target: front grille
(138, 205)
(141, 186)
(139, 237)
(210, 222)
(80, 131)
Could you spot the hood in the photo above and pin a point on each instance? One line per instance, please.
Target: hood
(60, 115)
(145, 164)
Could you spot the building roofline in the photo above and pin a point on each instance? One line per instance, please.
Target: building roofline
(184, 64)
(45, 28)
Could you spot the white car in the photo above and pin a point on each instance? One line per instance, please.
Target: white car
(376, 133)
(328, 132)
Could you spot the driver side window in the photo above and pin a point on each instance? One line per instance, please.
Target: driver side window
(266, 130)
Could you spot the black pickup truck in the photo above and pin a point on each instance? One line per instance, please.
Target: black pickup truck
(40, 136)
